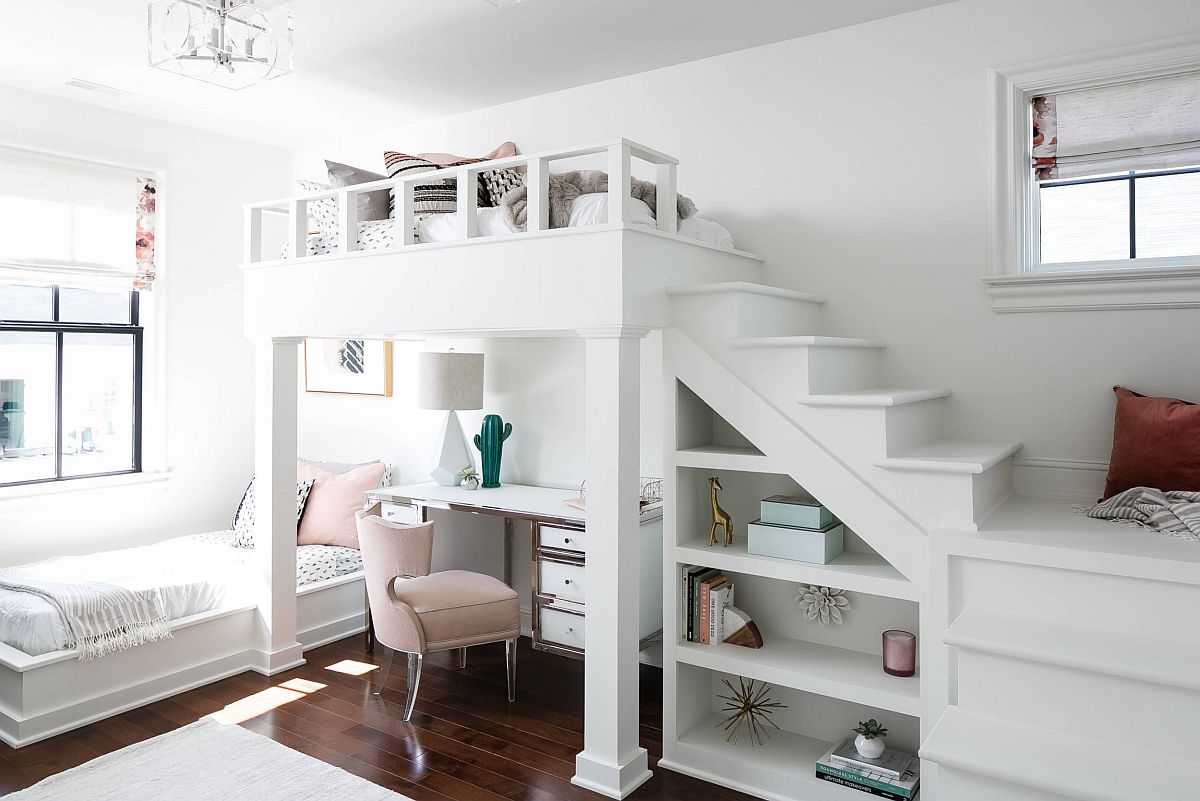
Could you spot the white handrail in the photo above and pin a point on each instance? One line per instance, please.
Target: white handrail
(619, 152)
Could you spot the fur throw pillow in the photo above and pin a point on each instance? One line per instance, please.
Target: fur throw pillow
(566, 186)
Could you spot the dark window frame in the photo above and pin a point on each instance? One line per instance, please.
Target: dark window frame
(60, 329)
(1132, 177)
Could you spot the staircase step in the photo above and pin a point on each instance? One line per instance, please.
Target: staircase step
(745, 287)
(807, 342)
(872, 398)
(950, 456)
(1066, 764)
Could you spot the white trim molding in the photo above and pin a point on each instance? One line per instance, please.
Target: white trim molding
(1012, 212)
(1074, 480)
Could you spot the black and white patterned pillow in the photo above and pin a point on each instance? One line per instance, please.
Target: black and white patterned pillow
(437, 196)
(322, 214)
(243, 518)
(495, 184)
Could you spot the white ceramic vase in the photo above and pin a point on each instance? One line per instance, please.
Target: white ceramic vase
(872, 748)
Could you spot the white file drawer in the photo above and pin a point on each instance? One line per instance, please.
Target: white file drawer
(557, 627)
(561, 539)
(398, 513)
(561, 580)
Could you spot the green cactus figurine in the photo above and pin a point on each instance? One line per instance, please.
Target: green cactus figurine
(490, 442)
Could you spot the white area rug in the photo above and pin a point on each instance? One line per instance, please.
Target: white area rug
(207, 761)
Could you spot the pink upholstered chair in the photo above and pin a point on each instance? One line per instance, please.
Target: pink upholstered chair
(417, 612)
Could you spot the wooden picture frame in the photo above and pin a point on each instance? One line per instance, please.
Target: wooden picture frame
(348, 367)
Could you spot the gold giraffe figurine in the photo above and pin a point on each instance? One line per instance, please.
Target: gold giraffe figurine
(720, 516)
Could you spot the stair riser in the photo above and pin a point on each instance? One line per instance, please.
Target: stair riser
(721, 316)
(1080, 703)
(791, 372)
(955, 500)
(959, 785)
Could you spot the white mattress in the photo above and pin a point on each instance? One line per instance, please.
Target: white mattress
(588, 209)
(194, 573)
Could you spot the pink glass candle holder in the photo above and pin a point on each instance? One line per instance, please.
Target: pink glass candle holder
(899, 652)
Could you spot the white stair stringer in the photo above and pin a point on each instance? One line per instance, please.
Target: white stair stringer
(884, 526)
(829, 387)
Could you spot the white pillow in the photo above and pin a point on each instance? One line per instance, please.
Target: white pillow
(243, 518)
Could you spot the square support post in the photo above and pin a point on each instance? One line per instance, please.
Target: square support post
(612, 763)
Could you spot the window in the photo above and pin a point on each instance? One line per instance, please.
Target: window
(76, 249)
(1096, 181)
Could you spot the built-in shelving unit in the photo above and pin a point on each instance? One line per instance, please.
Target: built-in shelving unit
(830, 678)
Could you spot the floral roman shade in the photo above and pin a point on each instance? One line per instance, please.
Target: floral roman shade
(144, 235)
(1151, 124)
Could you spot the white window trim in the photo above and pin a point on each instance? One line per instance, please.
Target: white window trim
(1012, 281)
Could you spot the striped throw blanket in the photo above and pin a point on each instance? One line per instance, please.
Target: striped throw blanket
(102, 618)
(1176, 513)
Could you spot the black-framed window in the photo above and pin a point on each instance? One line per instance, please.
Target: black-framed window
(1127, 216)
(70, 382)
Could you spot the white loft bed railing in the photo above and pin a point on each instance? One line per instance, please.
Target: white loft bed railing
(620, 153)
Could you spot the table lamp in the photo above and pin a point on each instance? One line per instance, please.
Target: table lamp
(450, 381)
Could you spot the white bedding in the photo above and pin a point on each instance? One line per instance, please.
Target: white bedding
(194, 573)
(589, 209)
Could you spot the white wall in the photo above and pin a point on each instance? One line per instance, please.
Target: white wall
(205, 364)
(856, 162)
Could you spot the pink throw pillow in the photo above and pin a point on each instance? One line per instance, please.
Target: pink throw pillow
(450, 160)
(334, 498)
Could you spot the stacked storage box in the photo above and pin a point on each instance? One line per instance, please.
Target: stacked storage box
(795, 527)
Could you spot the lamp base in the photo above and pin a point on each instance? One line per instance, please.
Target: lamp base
(452, 453)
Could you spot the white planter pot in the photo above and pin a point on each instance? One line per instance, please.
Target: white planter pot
(871, 749)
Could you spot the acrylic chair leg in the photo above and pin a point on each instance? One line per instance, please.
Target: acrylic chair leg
(414, 682)
(462, 657)
(510, 648)
(387, 668)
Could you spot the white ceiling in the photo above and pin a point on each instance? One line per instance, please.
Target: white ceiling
(376, 63)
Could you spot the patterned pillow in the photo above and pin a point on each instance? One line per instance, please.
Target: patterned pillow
(322, 214)
(243, 518)
(439, 196)
(495, 184)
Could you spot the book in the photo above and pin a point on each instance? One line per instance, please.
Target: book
(862, 788)
(904, 786)
(685, 601)
(706, 588)
(694, 594)
(691, 603)
(720, 599)
(893, 762)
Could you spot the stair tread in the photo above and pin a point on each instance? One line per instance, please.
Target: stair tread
(874, 397)
(747, 287)
(950, 456)
(802, 341)
(1056, 762)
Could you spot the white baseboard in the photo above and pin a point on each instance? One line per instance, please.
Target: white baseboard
(1068, 479)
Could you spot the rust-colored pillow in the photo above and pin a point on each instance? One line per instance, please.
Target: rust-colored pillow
(1156, 443)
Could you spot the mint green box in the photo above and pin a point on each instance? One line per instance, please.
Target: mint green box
(802, 511)
(820, 546)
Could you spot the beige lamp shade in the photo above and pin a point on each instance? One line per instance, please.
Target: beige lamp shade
(452, 381)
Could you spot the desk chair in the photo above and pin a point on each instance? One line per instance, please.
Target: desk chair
(418, 612)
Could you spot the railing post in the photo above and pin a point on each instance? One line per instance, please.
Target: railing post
(298, 227)
(537, 210)
(252, 235)
(348, 220)
(619, 181)
(468, 202)
(403, 193)
(666, 209)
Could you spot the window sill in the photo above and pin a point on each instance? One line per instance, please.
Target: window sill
(1096, 290)
(27, 495)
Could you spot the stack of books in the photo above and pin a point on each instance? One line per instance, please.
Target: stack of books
(706, 593)
(895, 775)
(796, 527)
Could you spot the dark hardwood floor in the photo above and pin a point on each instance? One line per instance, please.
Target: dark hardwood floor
(465, 741)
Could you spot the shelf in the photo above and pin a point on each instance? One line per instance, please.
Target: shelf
(781, 769)
(853, 570)
(1056, 762)
(811, 667)
(744, 458)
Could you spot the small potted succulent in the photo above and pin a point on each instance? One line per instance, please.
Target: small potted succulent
(869, 741)
(469, 478)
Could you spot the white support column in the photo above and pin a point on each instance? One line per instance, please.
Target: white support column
(620, 181)
(252, 235)
(298, 228)
(537, 210)
(275, 501)
(612, 762)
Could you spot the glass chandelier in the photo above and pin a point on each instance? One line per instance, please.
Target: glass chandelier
(230, 43)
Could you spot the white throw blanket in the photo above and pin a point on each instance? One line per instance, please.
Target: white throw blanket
(1176, 513)
(101, 618)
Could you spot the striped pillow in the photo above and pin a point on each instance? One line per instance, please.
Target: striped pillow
(435, 197)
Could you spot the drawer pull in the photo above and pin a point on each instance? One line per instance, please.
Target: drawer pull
(566, 540)
(566, 581)
(570, 630)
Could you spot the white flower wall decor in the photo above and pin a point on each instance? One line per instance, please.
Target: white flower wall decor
(822, 604)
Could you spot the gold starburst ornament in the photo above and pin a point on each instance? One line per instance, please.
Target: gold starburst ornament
(750, 709)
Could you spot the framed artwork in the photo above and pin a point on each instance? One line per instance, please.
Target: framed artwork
(348, 366)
